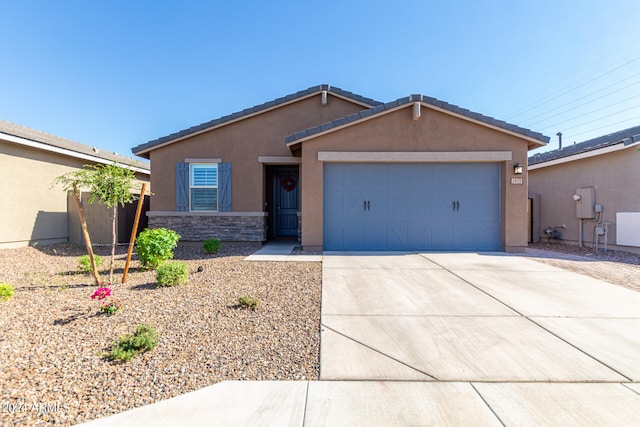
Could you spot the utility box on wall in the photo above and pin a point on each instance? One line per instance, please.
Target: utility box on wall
(585, 202)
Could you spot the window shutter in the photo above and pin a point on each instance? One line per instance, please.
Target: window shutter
(224, 187)
(182, 187)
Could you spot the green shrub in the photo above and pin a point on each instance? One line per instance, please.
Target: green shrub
(172, 273)
(111, 307)
(212, 245)
(84, 262)
(6, 291)
(156, 246)
(248, 302)
(142, 340)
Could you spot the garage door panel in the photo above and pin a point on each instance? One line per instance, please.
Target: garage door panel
(375, 236)
(488, 235)
(398, 236)
(399, 205)
(420, 206)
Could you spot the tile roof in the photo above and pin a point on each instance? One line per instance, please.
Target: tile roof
(626, 137)
(253, 110)
(24, 132)
(381, 108)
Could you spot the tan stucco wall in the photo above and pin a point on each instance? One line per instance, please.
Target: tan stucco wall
(616, 177)
(32, 210)
(241, 143)
(434, 131)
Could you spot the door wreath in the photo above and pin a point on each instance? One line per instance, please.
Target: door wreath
(288, 183)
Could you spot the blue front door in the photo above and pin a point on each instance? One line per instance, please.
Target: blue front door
(286, 200)
(417, 206)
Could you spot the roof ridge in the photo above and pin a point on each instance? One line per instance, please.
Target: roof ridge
(410, 99)
(50, 139)
(624, 136)
(255, 109)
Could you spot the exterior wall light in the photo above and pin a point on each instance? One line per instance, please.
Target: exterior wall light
(517, 169)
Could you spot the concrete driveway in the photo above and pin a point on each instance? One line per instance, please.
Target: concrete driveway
(473, 317)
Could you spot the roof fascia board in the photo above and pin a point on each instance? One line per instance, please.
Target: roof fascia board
(254, 114)
(353, 101)
(592, 153)
(427, 105)
(538, 143)
(65, 152)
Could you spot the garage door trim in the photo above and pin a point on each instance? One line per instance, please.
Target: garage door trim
(414, 156)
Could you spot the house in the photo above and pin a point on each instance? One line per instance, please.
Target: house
(344, 172)
(33, 211)
(591, 188)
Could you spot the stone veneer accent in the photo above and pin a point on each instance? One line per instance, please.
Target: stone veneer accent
(226, 226)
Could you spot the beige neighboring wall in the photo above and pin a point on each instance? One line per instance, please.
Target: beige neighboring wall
(433, 132)
(241, 143)
(33, 210)
(616, 177)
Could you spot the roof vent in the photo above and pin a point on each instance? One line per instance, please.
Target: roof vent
(559, 140)
(95, 150)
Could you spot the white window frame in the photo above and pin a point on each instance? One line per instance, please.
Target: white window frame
(194, 165)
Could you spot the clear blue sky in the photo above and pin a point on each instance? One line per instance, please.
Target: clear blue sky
(116, 74)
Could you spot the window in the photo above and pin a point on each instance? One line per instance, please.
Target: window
(203, 186)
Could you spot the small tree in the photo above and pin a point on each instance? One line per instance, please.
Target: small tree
(111, 185)
(73, 181)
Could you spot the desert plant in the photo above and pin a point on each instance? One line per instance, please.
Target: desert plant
(111, 307)
(84, 262)
(155, 246)
(172, 273)
(212, 245)
(143, 339)
(6, 291)
(248, 302)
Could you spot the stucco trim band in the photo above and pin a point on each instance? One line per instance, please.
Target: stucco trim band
(202, 160)
(279, 160)
(174, 213)
(414, 156)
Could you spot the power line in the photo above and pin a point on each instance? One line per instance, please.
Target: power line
(590, 112)
(527, 123)
(573, 89)
(600, 118)
(599, 61)
(606, 126)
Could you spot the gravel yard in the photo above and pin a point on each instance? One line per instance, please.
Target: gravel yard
(52, 334)
(617, 267)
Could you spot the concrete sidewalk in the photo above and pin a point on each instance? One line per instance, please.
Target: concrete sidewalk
(445, 339)
(336, 403)
(281, 251)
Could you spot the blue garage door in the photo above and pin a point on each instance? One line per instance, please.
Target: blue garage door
(417, 206)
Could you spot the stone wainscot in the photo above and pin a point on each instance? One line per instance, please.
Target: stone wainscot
(225, 226)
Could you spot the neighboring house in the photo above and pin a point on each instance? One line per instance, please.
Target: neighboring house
(604, 174)
(35, 212)
(345, 172)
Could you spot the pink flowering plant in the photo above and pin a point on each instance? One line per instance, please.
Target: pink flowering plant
(109, 305)
(101, 293)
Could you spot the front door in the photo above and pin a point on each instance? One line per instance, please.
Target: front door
(286, 202)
